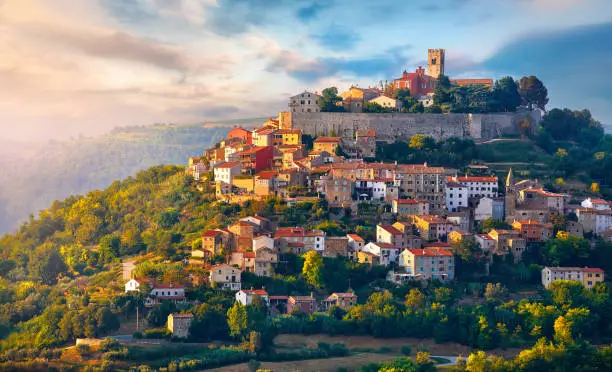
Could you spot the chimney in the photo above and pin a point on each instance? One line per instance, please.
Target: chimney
(311, 294)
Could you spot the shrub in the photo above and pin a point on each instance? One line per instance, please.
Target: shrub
(406, 349)
(137, 335)
(156, 333)
(109, 344)
(83, 349)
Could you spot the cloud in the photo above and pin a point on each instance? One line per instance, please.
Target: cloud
(337, 38)
(313, 10)
(572, 63)
(112, 44)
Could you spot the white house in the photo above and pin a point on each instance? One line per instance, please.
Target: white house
(245, 296)
(486, 242)
(489, 208)
(166, 292)
(456, 195)
(227, 171)
(387, 252)
(599, 204)
(263, 241)
(132, 286)
(387, 102)
(427, 100)
(479, 186)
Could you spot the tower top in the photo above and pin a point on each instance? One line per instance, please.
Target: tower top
(435, 62)
(510, 179)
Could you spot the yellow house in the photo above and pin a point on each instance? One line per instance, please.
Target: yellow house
(329, 144)
(290, 137)
(368, 258)
(458, 235)
(225, 277)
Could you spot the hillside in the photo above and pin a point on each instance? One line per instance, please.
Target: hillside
(32, 175)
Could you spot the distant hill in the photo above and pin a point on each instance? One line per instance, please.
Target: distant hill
(33, 175)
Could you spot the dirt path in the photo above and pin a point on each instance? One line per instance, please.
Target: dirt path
(126, 268)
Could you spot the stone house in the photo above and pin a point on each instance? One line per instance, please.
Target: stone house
(428, 263)
(225, 277)
(305, 304)
(342, 300)
(368, 258)
(336, 246)
(407, 207)
(179, 324)
(432, 227)
(338, 192)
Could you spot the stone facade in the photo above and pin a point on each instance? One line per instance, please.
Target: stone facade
(401, 126)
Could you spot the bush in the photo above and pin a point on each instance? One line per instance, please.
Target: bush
(384, 350)
(156, 333)
(83, 349)
(109, 344)
(137, 335)
(406, 349)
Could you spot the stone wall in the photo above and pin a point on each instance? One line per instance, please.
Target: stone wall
(397, 126)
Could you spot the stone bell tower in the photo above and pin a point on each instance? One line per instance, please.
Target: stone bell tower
(435, 62)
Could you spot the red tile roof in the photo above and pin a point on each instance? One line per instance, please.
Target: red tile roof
(409, 201)
(432, 219)
(188, 315)
(593, 270)
(278, 297)
(211, 233)
(249, 255)
(261, 292)
(230, 164)
(430, 252)
(438, 245)
(266, 175)
(390, 229)
(327, 139)
(477, 179)
(168, 286)
(355, 237)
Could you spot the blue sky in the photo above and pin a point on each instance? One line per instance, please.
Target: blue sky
(70, 67)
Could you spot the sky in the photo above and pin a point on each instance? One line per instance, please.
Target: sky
(83, 67)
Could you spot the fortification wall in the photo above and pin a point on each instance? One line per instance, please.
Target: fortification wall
(398, 126)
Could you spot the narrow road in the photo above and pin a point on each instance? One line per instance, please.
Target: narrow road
(127, 267)
(453, 360)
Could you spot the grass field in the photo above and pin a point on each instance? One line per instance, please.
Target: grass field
(512, 152)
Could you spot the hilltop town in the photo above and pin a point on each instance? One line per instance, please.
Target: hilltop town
(431, 216)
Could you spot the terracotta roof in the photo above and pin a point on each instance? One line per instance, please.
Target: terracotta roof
(464, 82)
(454, 184)
(327, 139)
(384, 245)
(302, 298)
(593, 270)
(542, 192)
(366, 133)
(390, 229)
(432, 219)
(599, 201)
(289, 232)
(261, 292)
(167, 286)
(530, 222)
(420, 168)
(409, 201)
(438, 245)
(485, 236)
(355, 237)
(278, 297)
(211, 233)
(187, 315)
(477, 179)
(266, 175)
(254, 150)
(228, 164)
(430, 252)
(340, 295)
(249, 255)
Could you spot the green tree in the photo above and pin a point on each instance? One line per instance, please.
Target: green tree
(237, 320)
(563, 330)
(533, 92)
(415, 299)
(417, 141)
(313, 269)
(442, 92)
(47, 265)
(433, 109)
(330, 101)
(506, 95)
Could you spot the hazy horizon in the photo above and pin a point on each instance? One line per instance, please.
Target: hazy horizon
(83, 68)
